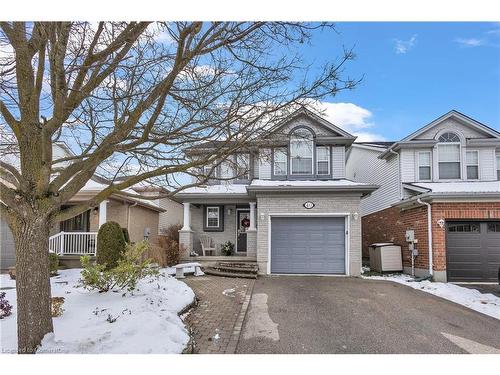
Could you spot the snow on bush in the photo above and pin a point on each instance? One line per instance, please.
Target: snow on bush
(145, 321)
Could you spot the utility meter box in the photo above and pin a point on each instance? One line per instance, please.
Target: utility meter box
(410, 235)
(385, 257)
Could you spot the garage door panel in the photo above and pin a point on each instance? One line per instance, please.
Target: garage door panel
(473, 256)
(308, 245)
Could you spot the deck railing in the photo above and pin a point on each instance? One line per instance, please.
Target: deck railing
(73, 243)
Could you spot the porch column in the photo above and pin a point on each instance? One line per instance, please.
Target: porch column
(252, 216)
(187, 217)
(186, 238)
(103, 206)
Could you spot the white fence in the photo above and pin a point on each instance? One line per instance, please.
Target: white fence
(73, 243)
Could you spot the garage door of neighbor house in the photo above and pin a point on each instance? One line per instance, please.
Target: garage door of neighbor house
(308, 245)
(7, 249)
(473, 251)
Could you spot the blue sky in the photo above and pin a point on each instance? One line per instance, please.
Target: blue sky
(413, 73)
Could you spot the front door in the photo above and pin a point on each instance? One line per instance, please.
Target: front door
(242, 225)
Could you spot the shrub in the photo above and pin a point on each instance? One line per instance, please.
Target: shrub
(5, 306)
(110, 244)
(128, 271)
(56, 306)
(169, 242)
(53, 263)
(126, 236)
(227, 248)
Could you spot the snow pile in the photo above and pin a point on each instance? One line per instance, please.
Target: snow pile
(484, 303)
(145, 322)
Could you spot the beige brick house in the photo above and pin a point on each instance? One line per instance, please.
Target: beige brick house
(284, 203)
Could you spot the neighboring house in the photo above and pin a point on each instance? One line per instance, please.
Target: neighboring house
(77, 236)
(445, 176)
(173, 210)
(287, 205)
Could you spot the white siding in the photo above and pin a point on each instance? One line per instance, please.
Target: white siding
(265, 164)
(363, 165)
(407, 157)
(338, 161)
(255, 172)
(487, 171)
(452, 125)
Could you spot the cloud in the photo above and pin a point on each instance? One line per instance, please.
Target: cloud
(404, 46)
(470, 42)
(350, 117)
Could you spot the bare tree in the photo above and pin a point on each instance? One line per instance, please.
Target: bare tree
(130, 97)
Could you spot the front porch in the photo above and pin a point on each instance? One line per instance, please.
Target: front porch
(221, 221)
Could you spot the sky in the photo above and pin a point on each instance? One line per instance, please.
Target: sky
(412, 73)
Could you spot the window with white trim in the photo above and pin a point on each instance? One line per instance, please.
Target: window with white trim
(213, 217)
(301, 152)
(472, 163)
(208, 172)
(323, 160)
(280, 160)
(243, 166)
(424, 166)
(498, 166)
(226, 169)
(449, 157)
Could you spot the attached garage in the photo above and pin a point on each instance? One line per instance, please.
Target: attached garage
(308, 245)
(7, 249)
(473, 250)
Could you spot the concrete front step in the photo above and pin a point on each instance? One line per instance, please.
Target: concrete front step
(216, 272)
(237, 267)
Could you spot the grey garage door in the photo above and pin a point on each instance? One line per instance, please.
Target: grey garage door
(308, 245)
(7, 250)
(473, 251)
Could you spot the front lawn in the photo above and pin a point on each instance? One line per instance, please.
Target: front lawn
(145, 321)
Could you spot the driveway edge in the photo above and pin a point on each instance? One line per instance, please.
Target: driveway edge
(235, 336)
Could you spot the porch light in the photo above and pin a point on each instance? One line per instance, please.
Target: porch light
(95, 211)
(262, 216)
(229, 211)
(355, 216)
(440, 223)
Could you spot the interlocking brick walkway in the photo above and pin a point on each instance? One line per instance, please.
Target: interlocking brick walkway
(216, 321)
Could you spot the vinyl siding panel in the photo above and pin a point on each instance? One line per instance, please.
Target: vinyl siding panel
(363, 165)
(338, 162)
(265, 164)
(407, 159)
(487, 171)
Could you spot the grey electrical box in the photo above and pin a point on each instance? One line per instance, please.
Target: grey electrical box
(410, 235)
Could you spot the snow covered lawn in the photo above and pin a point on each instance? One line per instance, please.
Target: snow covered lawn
(92, 322)
(484, 303)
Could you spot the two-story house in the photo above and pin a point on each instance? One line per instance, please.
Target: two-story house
(442, 183)
(289, 206)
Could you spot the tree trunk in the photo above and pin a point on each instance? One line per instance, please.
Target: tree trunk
(34, 318)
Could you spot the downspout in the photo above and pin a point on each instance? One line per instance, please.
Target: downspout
(429, 233)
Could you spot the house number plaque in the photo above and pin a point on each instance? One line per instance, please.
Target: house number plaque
(308, 205)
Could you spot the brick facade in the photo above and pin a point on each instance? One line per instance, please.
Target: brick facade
(390, 225)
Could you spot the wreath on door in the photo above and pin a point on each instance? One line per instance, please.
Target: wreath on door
(245, 222)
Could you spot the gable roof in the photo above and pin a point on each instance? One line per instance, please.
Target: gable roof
(466, 120)
(310, 114)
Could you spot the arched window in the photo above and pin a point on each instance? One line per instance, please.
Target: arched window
(301, 152)
(449, 156)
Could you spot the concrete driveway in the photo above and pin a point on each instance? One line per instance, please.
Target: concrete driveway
(289, 314)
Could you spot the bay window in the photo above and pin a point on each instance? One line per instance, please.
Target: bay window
(280, 162)
(472, 163)
(301, 152)
(323, 160)
(424, 166)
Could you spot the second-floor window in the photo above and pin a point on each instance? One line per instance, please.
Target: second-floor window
(449, 157)
(243, 166)
(323, 160)
(280, 160)
(498, 166)
(424, 166)
(472, 162)
(301, 152)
